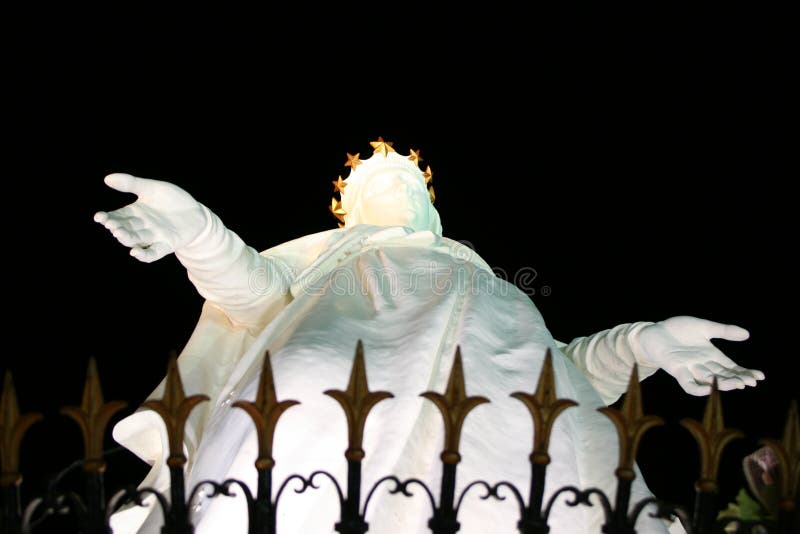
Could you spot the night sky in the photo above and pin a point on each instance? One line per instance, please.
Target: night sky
(638, 164)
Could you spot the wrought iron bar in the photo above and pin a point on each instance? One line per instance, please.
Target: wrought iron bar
(356, 401)
(12, 514)
(454, 406)
(265, 413)
(712, 437)
(544, 407)
(174, 408)
(13, 427)
(631, 424)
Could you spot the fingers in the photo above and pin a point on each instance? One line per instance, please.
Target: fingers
(702, 387)
(132, 238)
(726, 378)
(121, 182)
(712, 369)
(121, 218)
(151, 253)
(698, 390)
(734, 333)
(127, 211)
(690, 385)
(724, 331)
(112, 224)
(128, 223)
(748, 376)
(698, 379)
(130, 232)
(129, 184)
(727, 383)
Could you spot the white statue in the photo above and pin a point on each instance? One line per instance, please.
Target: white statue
(389, 278)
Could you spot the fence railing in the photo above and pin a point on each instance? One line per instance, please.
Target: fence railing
(92, 510)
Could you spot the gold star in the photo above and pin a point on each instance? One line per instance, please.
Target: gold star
(428, 174)
(339, 185)
(415, 157)
(382, 146)
(336, 209)
(352, 161)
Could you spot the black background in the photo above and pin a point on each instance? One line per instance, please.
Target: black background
(637, 160)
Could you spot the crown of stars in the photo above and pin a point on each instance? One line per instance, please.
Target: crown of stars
(380, 146)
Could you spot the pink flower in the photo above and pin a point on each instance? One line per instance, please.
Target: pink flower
(761, 472)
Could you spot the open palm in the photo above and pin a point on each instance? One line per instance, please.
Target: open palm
(682, 347)
(163, 218)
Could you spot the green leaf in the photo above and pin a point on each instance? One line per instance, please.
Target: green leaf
(745, 508)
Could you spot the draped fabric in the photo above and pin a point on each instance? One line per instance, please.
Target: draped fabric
(412, 298)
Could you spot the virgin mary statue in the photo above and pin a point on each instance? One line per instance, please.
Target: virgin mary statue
(389, 278)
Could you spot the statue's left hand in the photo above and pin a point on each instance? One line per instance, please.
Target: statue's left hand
(682, 347)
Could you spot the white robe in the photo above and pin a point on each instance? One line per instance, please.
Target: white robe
(412, 298)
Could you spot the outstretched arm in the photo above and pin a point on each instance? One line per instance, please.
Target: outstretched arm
(248, 287)
(607, 358)
(679, 345)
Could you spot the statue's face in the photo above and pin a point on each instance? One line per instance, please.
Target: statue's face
(393, 197)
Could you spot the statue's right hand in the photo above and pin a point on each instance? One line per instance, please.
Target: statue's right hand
(163, 219)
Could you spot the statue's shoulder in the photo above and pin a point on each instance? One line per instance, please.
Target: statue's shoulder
(302, 241)
(303, 250)
(464, 251)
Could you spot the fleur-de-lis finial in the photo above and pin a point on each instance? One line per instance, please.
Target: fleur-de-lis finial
(12, 429)
(712, 437)
(631, 424)
(357, 401)
(454, 406)
(174, 408)
(381, 147)
(544, 408)
(92, 417)
(787, 452)
(265, 412)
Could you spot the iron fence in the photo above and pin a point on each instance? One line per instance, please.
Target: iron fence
(92, 509)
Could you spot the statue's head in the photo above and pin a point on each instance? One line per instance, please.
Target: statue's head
(387, 189)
